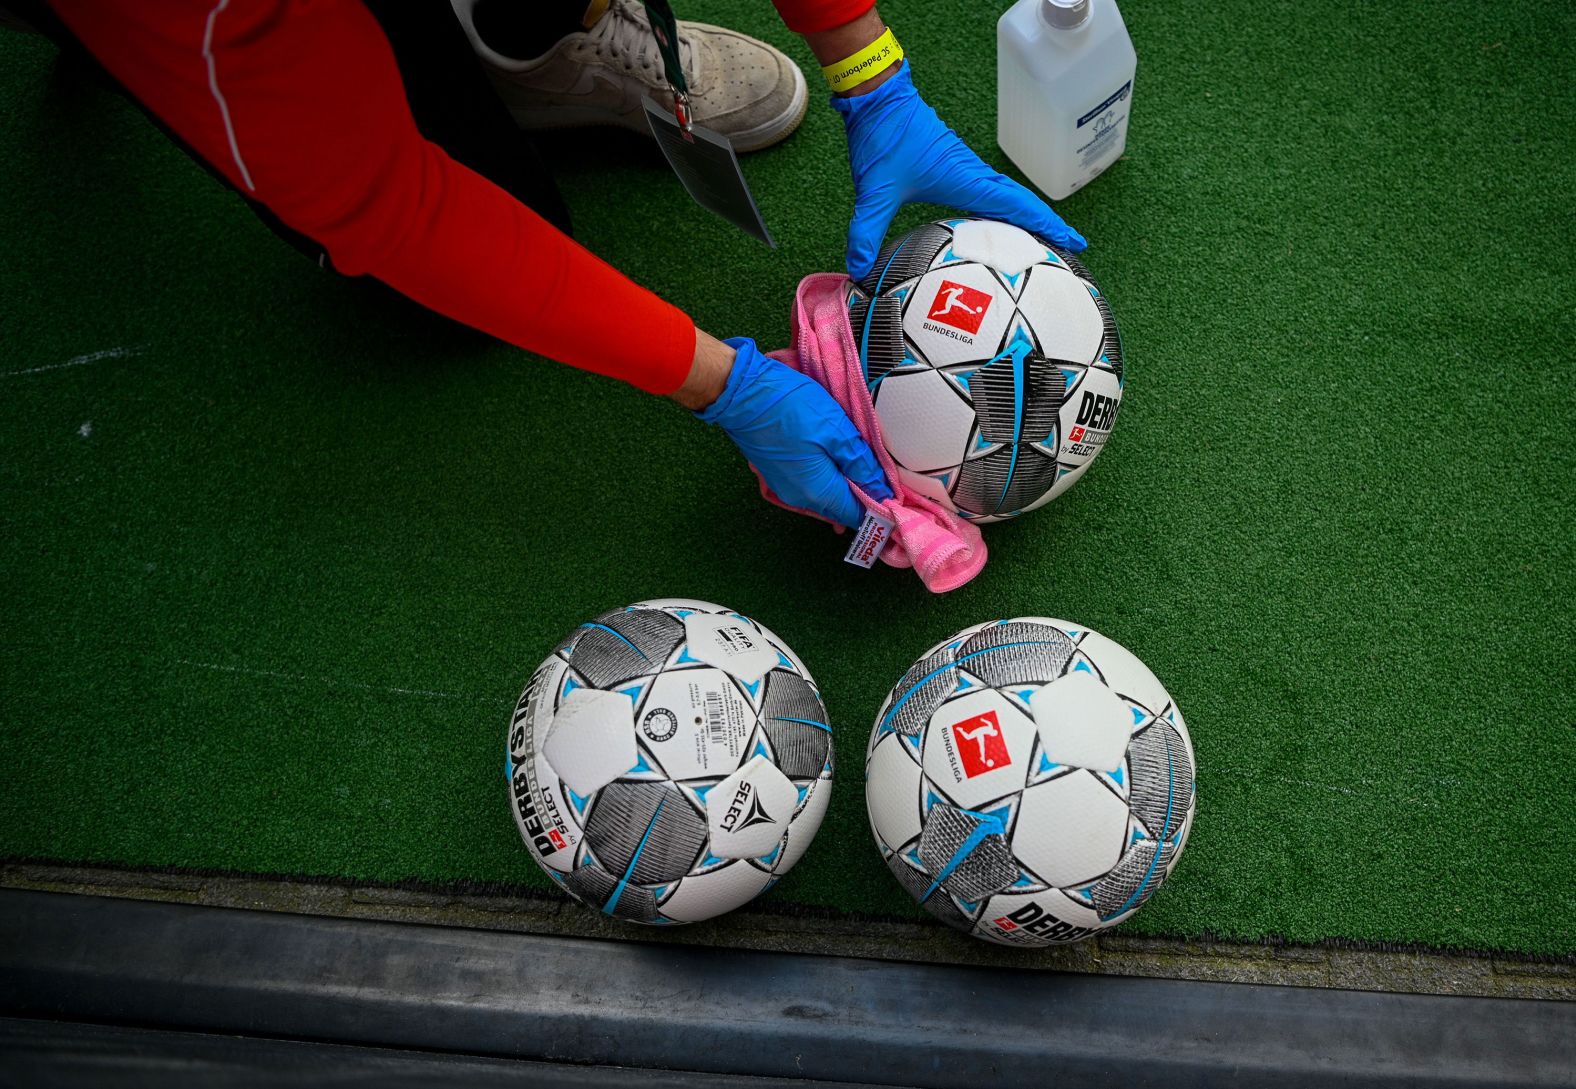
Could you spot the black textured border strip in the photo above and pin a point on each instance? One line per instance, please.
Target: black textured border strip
(307, 978)
(95, 879)
(73, 1055)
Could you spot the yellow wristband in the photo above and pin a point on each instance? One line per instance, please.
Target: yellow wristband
(872, 60)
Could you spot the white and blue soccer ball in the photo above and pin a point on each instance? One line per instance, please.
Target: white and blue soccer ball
(669, 761)
(993, 361)
(1030, 782)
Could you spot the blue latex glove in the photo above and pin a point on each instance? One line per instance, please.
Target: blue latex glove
(797, 437)
(900, 151)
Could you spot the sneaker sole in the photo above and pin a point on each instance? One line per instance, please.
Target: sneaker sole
(761, 136)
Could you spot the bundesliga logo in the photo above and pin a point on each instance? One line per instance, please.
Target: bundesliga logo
(959, 306)
(980, 744)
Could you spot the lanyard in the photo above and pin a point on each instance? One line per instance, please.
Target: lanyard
(703, 160)
(666, 29)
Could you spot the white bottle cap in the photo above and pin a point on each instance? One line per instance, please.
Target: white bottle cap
(1064, 14)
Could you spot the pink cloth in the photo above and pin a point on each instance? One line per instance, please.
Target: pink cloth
(944, 550)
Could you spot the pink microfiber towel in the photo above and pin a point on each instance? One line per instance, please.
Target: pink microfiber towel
(945, 550)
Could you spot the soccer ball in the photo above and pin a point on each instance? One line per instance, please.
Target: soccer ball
(669, 761)
(993, 361)
(1030, 782)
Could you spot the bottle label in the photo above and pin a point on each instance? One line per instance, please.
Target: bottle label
(1120, 96)
(1100, 129)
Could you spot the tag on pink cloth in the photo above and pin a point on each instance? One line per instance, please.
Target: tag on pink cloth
(870, 540)
(944, 549)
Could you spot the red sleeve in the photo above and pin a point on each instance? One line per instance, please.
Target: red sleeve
(301, 106)
(809, 16)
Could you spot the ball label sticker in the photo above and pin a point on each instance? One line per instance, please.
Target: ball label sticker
(719, 726)
(959, 306)
(872, 536)
(980, 744)
(696, 723)
(723, 740)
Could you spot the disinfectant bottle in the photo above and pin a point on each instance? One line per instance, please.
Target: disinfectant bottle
(1064, 85)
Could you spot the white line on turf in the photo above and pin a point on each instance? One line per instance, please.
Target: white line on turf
(277, 675)
(76, 361)
(1370, 787)
(1316, 786)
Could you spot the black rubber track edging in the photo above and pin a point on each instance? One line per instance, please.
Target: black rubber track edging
(482, 993)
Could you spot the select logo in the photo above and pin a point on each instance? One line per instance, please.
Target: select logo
(746, 811)
(544, 827)
(959, 306)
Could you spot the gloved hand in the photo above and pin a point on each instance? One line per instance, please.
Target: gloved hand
(796, 436)
(900, 151)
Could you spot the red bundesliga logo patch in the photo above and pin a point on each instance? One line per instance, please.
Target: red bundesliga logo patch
(558, 840)
(1076, 435)
(981, 745)
(960, 306)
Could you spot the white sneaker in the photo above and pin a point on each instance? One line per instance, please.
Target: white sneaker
(740, 87)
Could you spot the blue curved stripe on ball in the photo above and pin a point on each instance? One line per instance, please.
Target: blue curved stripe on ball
(619, 635)
(864, 336)
(1018, 350)
(959, 661)
(1160, 840)
(805, 721)
(618, 890)
(988, 825)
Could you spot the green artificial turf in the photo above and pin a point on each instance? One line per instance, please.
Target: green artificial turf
(278, 550)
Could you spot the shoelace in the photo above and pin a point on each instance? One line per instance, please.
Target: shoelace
(625, 35)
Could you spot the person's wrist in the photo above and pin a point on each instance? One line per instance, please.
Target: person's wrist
(896, 82)
(873, 82)
(708, 375)
(840, 43)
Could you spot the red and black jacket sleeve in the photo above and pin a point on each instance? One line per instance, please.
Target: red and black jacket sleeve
(810, 16)
(299, 104)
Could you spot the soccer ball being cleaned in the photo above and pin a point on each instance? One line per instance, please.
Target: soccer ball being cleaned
(1030, 782)
(669, 761)
(993, 361)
